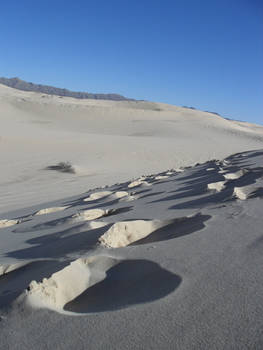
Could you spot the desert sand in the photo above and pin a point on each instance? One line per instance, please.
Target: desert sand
(149, 238)
(105, 142)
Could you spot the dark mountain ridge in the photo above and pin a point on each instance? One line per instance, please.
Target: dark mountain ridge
(19, 84)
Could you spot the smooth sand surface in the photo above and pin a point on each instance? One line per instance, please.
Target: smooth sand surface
(104, 141)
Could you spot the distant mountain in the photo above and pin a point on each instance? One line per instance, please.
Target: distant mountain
(19, 84)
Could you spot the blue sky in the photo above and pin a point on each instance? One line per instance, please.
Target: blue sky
(202, 53)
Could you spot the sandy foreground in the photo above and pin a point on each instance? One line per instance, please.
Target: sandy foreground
(166, 260)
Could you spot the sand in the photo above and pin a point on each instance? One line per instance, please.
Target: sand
(160, 248)
(105, 142)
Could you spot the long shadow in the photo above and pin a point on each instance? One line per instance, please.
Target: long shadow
(44, 226)
(58, 244)
(143, 191)
(194, 187)
(66, 220)
(178, 228)
(226, 195)
(105, 204)
(129, 283)
(151, 194)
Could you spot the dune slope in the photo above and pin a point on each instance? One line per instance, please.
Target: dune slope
(53, 146)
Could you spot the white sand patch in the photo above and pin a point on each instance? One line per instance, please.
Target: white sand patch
(217, 186)
(123, 195)
(91, 214)
(244, 192)
(7, 223)
(97, 195)
(103, 194)
(68, 283)
(50, 210)
(236, 175)
(97, 224)
(161, 177)
(124, 233)
(137, 183)
(120, 194)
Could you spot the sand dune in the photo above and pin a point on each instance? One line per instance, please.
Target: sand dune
(169, 258)
(105, 142)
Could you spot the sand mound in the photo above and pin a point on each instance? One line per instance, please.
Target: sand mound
(50, 210)
(6, 222)
(68, 283)
(120, 194)
(217, 186)
(103, 194)
(137, 183)
(124, 233)
(235, 175)
(245, 192)
(97, 195)
(161, 177)
(91, 214)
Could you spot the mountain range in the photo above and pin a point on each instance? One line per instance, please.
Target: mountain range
(19, 84)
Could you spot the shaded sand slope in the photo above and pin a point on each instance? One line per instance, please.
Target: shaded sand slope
(172, 262)
(103, 141)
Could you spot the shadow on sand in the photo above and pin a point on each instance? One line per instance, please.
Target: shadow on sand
(131, 282)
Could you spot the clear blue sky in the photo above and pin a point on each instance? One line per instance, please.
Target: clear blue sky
(202, 53)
